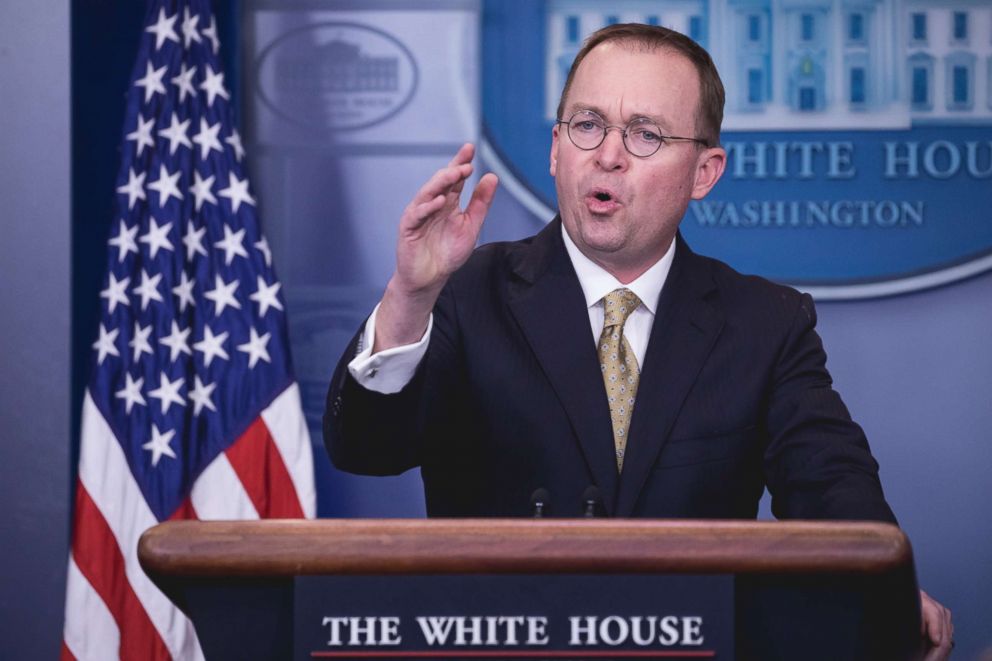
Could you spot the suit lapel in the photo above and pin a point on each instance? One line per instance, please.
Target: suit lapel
(685, 329)
(549, 306)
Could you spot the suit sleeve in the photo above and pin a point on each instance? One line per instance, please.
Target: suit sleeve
(817, 462)
(372, 433)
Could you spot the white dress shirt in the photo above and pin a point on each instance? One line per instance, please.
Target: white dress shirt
(390, 370)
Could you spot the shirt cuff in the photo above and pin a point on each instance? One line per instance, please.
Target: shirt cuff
(388, 371)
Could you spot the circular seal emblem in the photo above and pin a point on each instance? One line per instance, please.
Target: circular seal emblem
(859, 165)
(336, 75)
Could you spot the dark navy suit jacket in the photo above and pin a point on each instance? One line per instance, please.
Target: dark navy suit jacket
(734, 396)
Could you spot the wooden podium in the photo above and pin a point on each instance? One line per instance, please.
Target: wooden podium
(801, 590)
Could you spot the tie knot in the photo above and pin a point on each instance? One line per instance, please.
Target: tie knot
(617, 306)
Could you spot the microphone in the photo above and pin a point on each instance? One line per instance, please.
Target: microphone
(540, 502)
(592, 502)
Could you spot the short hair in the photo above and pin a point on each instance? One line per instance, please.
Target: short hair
(709, 114)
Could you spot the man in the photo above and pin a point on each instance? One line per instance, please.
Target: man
(697, 388)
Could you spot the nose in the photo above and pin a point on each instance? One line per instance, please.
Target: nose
(611, 153)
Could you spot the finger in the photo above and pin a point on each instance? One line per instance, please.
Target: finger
(936, 654)
(441, 183)
(465, 154)
(482, 198)
(424, 210)
(935, 625)
(466, 171)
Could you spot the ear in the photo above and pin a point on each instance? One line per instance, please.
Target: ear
(709, 167)
(554, 148)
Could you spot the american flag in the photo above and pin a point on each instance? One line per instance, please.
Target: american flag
(191, 410)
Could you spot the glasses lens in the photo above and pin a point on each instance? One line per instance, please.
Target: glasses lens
(586, 129)
(642, 137)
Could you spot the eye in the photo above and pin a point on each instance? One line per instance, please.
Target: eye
(646, 135)
(586, 125)
(586, 122)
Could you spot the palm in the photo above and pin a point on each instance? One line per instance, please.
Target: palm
(436, 236)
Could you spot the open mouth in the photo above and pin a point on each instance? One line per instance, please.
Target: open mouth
(602, 200)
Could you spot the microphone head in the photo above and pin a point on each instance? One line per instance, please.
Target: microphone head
(540, 502)
(592, 495)
(592, 501)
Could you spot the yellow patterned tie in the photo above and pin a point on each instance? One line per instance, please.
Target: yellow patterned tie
(619, 365)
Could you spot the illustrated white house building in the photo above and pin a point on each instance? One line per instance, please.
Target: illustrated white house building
(814, 64)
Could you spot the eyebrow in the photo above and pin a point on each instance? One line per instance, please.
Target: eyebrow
(633, 117)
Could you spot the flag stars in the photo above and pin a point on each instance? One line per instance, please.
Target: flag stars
(184, 81)
(105, 344)
(184, 291)
(235, 141)
(159, 445)
(176, 133)
(237, 192)
(213, 85)
(255, 347)
(152, 82)
(202, 190)
(223, 294)
(189, 28)
(148, 289)
(193, 240)
(124, 241)
(207, 138)
(167, 392)
(164, 29)
(263, 247)
(167, 185)
(134, 188)
(212, 346)
(210, 33)
(156, 237)
(131, 393)
(232, 244)
(177, 342)
(266, 296)
(139, 342)
(142, 134)
(200, 396)
(115, 292)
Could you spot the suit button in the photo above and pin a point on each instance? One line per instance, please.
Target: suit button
(336, 406)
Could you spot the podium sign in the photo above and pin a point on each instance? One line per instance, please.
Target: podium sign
(767, 591)
(514, 616)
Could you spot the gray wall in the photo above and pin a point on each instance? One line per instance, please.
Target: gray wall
(34, 330)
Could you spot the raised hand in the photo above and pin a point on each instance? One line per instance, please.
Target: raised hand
(436, 237)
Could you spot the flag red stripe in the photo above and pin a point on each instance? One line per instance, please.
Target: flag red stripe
(95, 551)
(66, 655)
(184, 511)
(258, 464)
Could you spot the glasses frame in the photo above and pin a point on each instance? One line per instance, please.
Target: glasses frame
(623, 134)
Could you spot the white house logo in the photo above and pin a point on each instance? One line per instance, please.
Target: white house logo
(337, 76)
(858, 133)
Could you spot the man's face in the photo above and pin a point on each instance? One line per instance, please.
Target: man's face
(620, 210)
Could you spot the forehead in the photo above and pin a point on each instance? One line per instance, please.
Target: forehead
(624, 81)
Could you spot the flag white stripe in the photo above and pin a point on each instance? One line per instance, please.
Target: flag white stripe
(288, 427)
(219, 494)
(90, 630)
(106, 476)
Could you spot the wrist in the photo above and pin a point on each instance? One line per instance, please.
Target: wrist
(403, 315)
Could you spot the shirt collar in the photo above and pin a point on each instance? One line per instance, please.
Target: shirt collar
(597, 282)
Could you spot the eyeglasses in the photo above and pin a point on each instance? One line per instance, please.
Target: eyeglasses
(641, 137)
